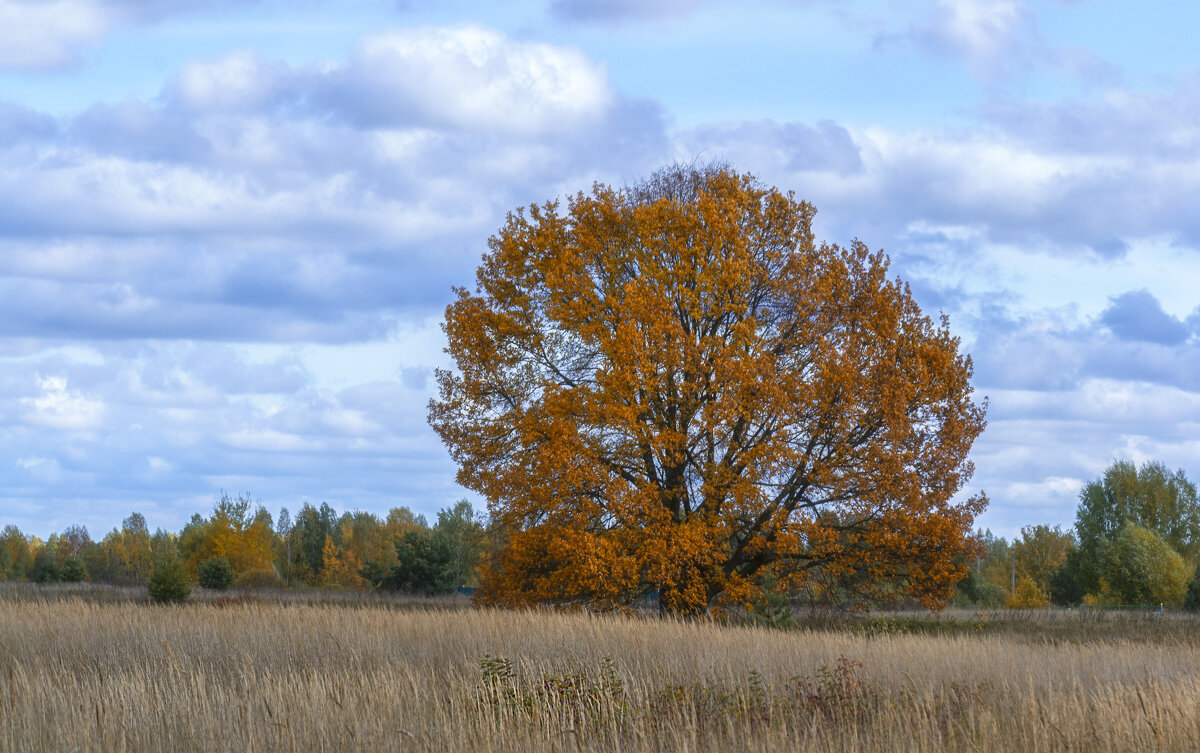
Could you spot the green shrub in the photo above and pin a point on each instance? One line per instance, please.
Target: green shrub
(44, 570)
(72, 571)
(169, 583)
(215, 573)
(263, 577)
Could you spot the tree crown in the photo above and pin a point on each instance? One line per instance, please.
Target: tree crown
(671, 387)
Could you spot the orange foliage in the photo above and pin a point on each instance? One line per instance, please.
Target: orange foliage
(246, 541)
(342, 568)
(672, 388)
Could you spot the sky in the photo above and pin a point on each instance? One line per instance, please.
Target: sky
(229, 229)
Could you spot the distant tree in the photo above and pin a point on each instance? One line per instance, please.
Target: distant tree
(137, 549)
(1151, 497)
(331, 563)
(73, 570)
(45, 569)
(363, 538)
(312, 526)
(73, 543)
(107, 561)
(424, 564)
(401, 520)
(238, 530)
(1041, 551)
(996, 565)
(16, 554)
(169, 583)
(463, 533)
(164, 546)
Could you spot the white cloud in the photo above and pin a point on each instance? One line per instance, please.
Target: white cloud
(61, 408)
(41, 34)
(270, 441)
(981, 29)
(43, 469)
(476, 79)
(240, 81)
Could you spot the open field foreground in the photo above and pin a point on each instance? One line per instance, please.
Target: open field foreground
(88, 676)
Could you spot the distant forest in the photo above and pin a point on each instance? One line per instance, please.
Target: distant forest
(1136, 542)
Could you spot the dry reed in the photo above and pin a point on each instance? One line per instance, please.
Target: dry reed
(79, 675)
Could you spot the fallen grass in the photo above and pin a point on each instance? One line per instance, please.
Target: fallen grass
(94, 675)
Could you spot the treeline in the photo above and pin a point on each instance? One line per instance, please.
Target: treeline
(1136, 542)
(240, 544)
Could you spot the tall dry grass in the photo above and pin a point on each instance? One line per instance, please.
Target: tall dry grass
(79, 675)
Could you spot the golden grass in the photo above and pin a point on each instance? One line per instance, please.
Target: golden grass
(80, 675)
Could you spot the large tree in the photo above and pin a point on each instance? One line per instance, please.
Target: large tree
(671, 388)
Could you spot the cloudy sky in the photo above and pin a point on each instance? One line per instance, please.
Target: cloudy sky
(228, 229)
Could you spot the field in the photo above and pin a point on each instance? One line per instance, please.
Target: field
(98, 671)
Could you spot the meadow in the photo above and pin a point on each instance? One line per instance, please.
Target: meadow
(99, 670)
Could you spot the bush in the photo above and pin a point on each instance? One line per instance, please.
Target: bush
(169, 583)
(262, 577)
(72, 571)
(215, 573)
(44, 569)
(1027, 595)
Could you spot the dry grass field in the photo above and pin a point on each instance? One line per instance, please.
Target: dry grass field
(80, 673)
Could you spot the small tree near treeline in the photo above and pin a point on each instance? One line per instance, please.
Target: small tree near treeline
(672, 389)
(169, 583)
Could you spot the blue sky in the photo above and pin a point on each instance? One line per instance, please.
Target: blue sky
(228, 229)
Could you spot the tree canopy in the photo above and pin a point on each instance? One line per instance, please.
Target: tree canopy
(671, 388)
(1152, 497)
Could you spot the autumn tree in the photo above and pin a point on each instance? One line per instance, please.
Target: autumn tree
(671, 388)
(16, 555)
(243, 535)
(1027, 595)
(73, 543)
(363, 539)
(133, 549)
